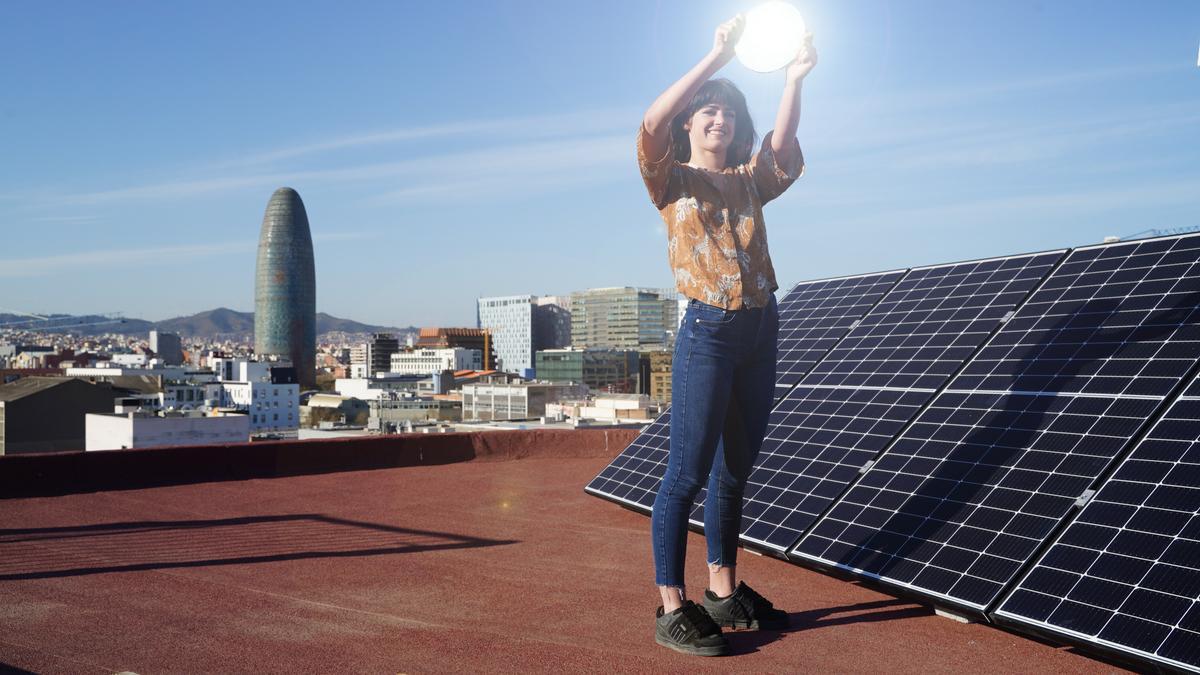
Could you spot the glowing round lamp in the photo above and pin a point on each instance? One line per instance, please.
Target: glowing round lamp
(772, 38)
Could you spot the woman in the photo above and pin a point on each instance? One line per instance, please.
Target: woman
(694, 150)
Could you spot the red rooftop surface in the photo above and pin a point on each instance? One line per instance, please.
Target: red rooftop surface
(443, 553)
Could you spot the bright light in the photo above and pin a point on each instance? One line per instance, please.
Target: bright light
(773, 36)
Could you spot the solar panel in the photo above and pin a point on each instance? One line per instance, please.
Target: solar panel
(965, 496)
(812, 317)
(815, 315)
(632, 478)
(1125, 574)
(851, 405)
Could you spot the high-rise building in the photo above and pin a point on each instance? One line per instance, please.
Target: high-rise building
(510, 321)
(285, 290)
(552, 322)
(521, 325)
(379, 353)
(167, 346)
(622, 318)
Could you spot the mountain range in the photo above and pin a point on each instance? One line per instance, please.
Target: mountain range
(215, 323)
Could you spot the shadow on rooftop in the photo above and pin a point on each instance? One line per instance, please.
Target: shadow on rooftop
(744, 642)
(51, 552)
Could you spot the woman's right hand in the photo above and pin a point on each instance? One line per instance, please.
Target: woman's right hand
(726, 38)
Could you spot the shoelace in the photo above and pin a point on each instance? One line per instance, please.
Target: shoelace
(757, 602)
(699, 619)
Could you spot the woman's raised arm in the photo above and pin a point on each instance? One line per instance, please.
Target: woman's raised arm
(787, 120)
(657, 120)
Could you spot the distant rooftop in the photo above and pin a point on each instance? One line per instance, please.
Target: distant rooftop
(286, 562)
(31, 385)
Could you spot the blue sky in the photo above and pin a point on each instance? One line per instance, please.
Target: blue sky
(450, 150)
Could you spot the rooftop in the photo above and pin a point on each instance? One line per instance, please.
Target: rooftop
(27, 386)
(463, 552)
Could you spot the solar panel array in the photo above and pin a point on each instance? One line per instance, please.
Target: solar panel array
(1123, 575)
(813, 316)
(964, 498)
(872, 384)
(930, 451)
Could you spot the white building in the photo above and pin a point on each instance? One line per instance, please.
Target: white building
(130, 360)
(176, 373)
(134, 430)
(273, 407)
(426, 361)
(374, 388)
(514, 401)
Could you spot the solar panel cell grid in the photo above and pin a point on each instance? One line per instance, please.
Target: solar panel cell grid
(632, 477)
(815, 315)
(1012, 463)
(1126, 572)
(1104, 323)
(932, 321)
(838, 430)
(820, 436)
(956, 506)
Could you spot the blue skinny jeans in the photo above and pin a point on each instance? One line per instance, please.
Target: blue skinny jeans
(722, 390)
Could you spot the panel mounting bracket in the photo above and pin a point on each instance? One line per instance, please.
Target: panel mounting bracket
(1085, 498)
(1007, 315)
(866, 467)
(952, 615)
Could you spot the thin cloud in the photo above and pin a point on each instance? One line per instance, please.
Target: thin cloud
(510, 159)
(66, 220)
(537, 126)
(1032, 208)
(942, 97)
(41, 266)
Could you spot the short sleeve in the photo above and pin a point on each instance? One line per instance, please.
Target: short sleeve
(657, 172)
(771, 179)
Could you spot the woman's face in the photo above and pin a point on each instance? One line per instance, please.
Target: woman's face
(712, 127)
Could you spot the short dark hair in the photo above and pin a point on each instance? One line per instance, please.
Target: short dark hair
(726, 93)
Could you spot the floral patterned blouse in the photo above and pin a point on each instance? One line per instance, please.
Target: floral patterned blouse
(716, 239)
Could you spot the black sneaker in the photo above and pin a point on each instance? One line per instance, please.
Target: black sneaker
(690, 630)
(745, 609)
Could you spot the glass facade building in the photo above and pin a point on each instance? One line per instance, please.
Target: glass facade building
(623, 318)
(285, 287)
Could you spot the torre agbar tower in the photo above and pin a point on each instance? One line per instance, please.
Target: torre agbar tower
(285, 288)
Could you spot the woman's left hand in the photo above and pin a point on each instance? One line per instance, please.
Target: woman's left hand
(805, 61)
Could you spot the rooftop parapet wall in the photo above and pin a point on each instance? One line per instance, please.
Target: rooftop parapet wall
(61, 473)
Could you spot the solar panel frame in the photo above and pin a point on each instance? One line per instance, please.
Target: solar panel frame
(627, 479)
(1100, 560)
(814, 548)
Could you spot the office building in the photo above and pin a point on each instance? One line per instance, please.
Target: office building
(467, 338)
(606, 370)
(487, 402)
(622, 318)
(378, 356)
(167, 347)
(285, 290)
(427, 361)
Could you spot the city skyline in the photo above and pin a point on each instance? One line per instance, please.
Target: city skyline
(143, 140)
